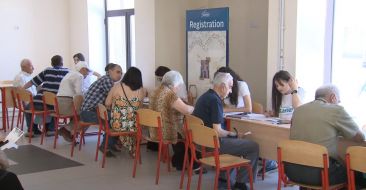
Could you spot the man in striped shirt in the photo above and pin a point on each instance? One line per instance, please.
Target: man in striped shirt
(49, 80)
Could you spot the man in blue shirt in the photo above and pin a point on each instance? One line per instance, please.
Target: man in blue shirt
(210, 109)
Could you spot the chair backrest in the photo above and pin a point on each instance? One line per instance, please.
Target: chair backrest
(78, 101)
(10, 99)
(191, 119)
(257, 108)
(49, 98)
(203, 136)
(149, 118)
(24, 97)
(303, 153)
(357, 158)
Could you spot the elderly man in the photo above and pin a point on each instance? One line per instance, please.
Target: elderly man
(321, 122)
(25, 75)
(210, 109)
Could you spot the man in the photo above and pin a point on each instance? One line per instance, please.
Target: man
(321, 122)
(71, 85)
(25, 75)
(210, 109)
(49, 80)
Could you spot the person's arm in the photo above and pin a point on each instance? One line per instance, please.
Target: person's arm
(247, 108)
(97, 74)
(108, 100)
(222, 132)
(359, 137)
(183, 108)
(296, 99)
(28, 84)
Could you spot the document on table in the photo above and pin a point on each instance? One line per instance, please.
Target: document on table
(12, 137)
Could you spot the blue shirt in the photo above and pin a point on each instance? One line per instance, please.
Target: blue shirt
(209, 108)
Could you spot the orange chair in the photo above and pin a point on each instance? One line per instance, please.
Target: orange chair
(15, 107)
(151, 119)
(355, 160)
(188, 119)
(24, 97)
(50, 99)
(307, 154)
(205, 137)
(79, 126)
(104, 126)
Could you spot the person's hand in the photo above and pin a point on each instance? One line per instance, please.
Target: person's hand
(293, 84)
(268, 113)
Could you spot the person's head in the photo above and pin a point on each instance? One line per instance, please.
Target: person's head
(222, 84)
(114, 71)
(83, 68)
(160, 72)
(78, 57)
(57, 61)
(26, 66)
(133, 78)
(280, 87)
(235, 91)
(173, 80)
(329, 93)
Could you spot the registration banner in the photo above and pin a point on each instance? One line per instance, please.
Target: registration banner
(207, 34)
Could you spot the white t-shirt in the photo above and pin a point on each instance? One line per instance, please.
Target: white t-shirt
(71, 84)
(286, 108)
(21, 79)
(243, 90)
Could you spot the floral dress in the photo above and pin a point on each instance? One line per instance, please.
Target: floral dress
(123, 118)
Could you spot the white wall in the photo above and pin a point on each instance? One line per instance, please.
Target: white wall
(35, 29)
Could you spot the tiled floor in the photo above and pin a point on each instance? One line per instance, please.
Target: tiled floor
(87, 174)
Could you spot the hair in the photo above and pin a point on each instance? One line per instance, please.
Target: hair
(56, 61)
(233, 96)
(325, 90)
(276, 95)
(172, 79)
(110, 66)
(23, 63)
(161, 70)
(222, 78)
(133, 78)
(80, 56)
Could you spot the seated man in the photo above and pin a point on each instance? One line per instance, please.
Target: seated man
(210, 109)
(321, 122)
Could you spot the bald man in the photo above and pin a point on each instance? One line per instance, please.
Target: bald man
(25, 75)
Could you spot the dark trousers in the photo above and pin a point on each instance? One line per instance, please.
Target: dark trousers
(178, 156)
(312, 175)
(9, 181)
(50, 126)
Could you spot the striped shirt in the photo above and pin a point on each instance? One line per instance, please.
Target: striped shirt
(97, 93)
(50, 79)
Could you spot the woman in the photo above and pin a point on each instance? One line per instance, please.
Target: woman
(165, 99)
(124, 99)
(286, 95)
(239, 99)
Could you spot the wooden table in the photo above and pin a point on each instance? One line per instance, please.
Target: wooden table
(4, 98)
(267, 135)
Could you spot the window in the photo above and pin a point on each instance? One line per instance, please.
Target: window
(120, 33)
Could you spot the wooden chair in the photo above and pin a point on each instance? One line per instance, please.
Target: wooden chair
(355, 160)
(104, 126)
(150, 119)
(307, 154)
(10, 102)
(24, 97)
(50, 99)
(257, 108)
(200, 135)
(79, 126)
(5, 85)
(188, 119)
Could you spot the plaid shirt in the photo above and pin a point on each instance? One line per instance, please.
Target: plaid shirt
(97, 93)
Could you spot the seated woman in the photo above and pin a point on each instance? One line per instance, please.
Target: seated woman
(239, 99)
(124, 99)
(165, 99)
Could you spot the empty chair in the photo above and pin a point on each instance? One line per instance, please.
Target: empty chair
(306, 154)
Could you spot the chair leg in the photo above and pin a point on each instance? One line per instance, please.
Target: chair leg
(7, 119)
(184, 165)
(82, 133)
(73, 143)
(44, 129)
(104, 150)
(137, 156)
(279, 176)
(56, 133)
(12, 119)
(216, 179)
(98, 143)
(228, 179)
(30, 128)
(22, 123)
(263, 168)
(250, 172)
(158, 163)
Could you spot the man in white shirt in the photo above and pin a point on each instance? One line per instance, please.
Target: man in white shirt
(71, 85)
(25, 75)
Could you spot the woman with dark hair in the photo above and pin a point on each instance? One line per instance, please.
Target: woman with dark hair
(286, 95)
(124, 99)
(239, 99)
